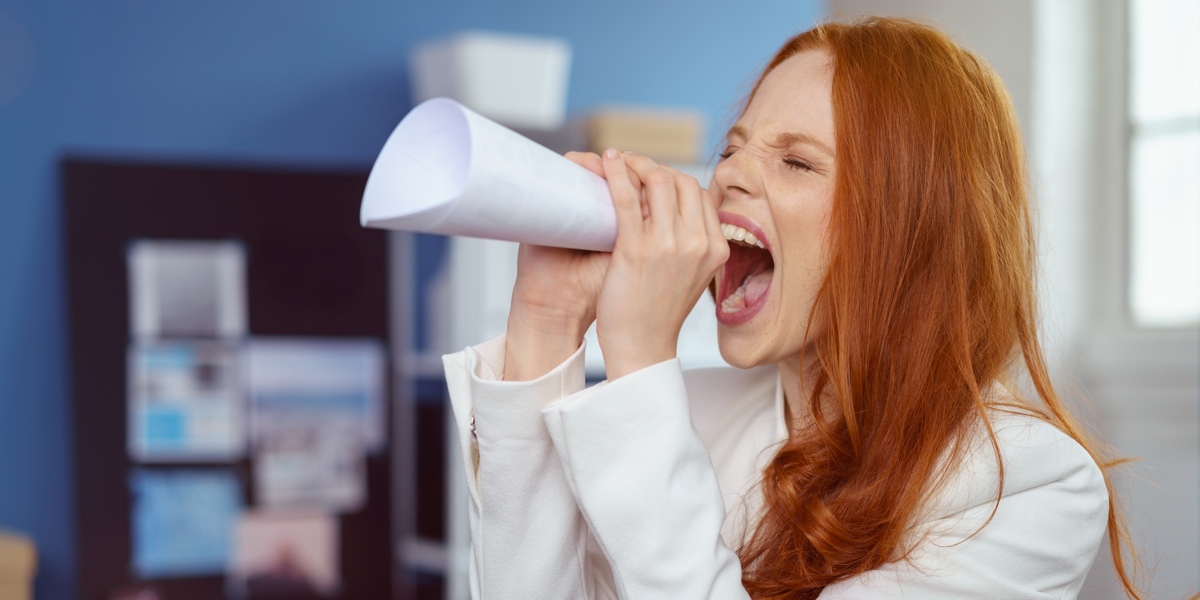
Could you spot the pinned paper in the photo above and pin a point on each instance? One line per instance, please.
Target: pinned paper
(185, 402)
(285, 555)
(450, 171)
(335, 384)
(317, 409)
(183, 521)
(187, 289)
(308, 465)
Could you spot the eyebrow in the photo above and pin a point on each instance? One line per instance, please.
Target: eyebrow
(787, 140)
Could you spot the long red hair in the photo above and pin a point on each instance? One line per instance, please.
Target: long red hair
(929, 301)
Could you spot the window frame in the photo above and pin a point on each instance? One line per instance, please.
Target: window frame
(1114, 351)
(1133, 131)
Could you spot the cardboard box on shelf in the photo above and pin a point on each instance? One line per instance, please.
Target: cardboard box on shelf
(672, 136)
(18, 564)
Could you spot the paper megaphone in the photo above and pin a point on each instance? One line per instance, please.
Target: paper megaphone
(447, 170)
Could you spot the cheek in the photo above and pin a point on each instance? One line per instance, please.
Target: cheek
(805, 264)
(804, 236)
(802, 277)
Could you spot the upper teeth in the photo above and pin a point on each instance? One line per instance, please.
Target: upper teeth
(733, 232)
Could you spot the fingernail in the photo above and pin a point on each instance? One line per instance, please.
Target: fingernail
(628, 152)
(611, 153)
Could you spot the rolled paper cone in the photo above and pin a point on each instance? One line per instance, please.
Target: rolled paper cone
(447, 170)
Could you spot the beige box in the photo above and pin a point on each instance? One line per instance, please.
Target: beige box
(18, 564)
(673, 136)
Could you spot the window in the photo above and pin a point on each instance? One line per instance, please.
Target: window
(1164, 162)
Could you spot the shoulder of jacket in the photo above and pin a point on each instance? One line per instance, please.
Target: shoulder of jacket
(1034, 454)
(1038, 452)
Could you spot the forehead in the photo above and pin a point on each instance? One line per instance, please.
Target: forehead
(795, 97)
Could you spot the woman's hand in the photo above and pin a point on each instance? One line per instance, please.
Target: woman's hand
(661, 264)
(553, 302)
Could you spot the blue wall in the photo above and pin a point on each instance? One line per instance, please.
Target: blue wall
(297, 82)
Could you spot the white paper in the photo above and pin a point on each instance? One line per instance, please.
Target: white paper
(449, 171)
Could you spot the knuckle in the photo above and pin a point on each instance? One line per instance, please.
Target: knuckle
(661, 177)
(718, 247)
(627, 210)
(638, 160)
(679, 176)
(665, 244)
(721, 253)
(624, 194)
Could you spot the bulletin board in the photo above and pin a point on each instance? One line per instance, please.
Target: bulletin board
(311, 270)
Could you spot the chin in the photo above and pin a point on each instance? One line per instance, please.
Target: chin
(740, 347)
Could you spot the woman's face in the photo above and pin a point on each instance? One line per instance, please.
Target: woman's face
(775, 182)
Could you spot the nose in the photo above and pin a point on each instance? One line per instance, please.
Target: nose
(737, 176)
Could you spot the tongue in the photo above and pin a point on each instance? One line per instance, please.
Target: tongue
(757, 286)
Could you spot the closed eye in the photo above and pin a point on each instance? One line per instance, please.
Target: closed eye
(797, 164)
(793, 163)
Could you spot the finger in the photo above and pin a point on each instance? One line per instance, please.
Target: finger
(626, 199)
(633, 176)
(588, 160)
(660, 192)
(698, 227)
(641, 167)
(687, 189)
(663, 199)
(712, 228)
(637, 184)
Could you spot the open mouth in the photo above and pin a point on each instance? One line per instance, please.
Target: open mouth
(747, 275)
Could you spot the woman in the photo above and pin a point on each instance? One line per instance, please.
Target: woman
(868, 241)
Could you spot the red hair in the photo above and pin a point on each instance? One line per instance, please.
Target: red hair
(929, 301)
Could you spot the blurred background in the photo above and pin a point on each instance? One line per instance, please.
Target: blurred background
(213, 383)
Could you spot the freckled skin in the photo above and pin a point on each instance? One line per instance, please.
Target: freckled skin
(791, 205)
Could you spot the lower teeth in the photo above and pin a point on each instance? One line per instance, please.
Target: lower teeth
(738, 297)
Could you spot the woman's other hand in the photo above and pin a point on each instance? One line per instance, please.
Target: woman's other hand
(661, 264)
(553, 302)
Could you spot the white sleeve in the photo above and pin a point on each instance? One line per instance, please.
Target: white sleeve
(528, 539)
(1039, 544)
(646, 486)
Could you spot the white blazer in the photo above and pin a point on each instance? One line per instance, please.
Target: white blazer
(638, 488)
